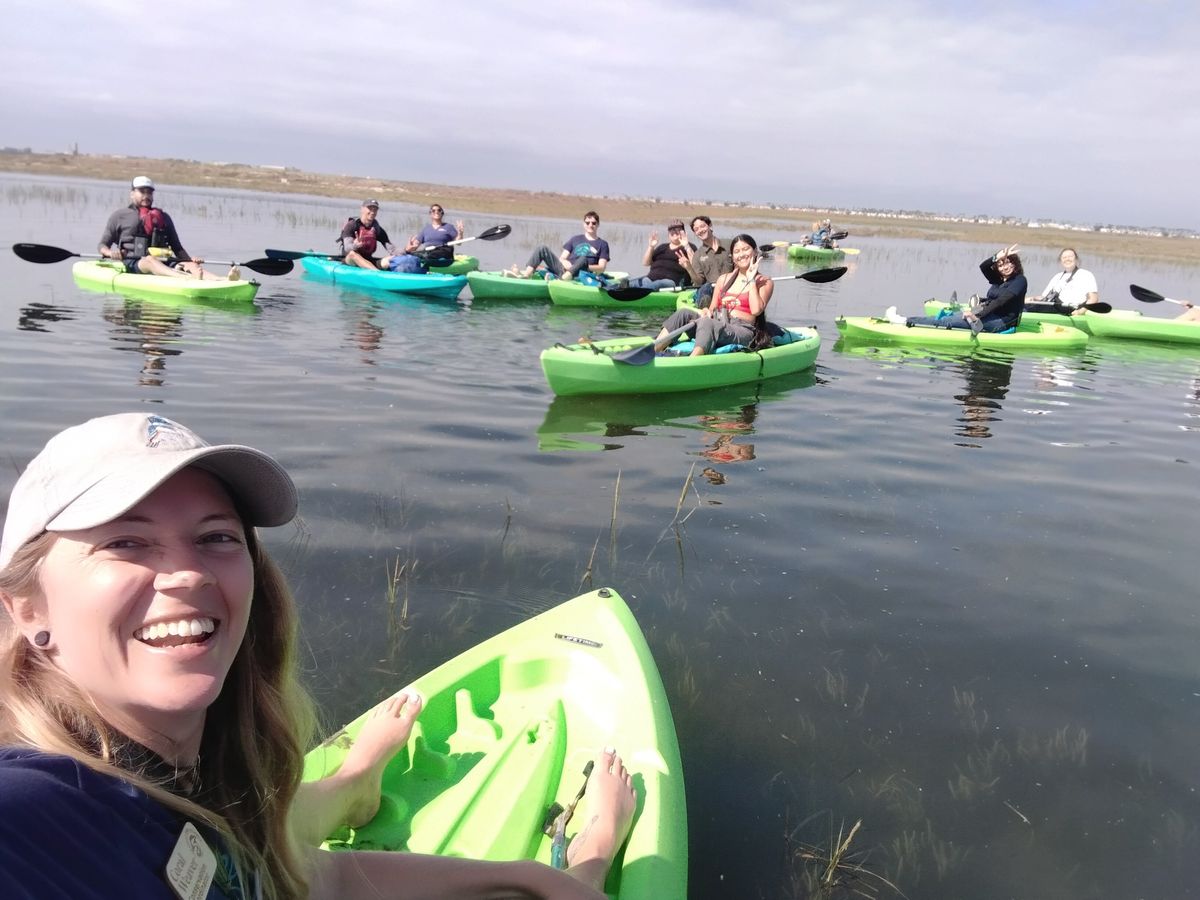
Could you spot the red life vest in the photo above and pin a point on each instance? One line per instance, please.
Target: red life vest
(366, 239)
(152, 221)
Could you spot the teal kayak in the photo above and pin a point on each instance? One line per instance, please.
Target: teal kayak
(112, 278)
(808, 251)
(1044, 336)
(506, 730)
(572, 293)
(589, 369)
(445, 287)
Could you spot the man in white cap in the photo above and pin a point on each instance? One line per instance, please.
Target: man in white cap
(143, 237)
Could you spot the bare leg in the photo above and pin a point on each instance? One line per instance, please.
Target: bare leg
(1191, 314)
(351, 795)
(148, 265)
(611, 802)
(354, 258)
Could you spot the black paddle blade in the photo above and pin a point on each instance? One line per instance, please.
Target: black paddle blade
(1098, 307)
(820, 276)
(638, 356)
(766, 248)
(288, 254)
(627, 294)
(839, 235)
(495, 233)
(40, 253)
(269, 266)
(1139, 293)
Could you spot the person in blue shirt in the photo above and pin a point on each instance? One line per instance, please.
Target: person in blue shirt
(437, 233)
(580, 252)
(152, 721)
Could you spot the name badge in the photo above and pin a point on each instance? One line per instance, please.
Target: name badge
(192, 865)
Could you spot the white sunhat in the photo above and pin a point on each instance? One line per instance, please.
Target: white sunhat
(142, 181)
(91, 473)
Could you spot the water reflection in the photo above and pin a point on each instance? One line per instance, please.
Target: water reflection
(147, 329)
(36, 316)
(988, 378)
(721, 415)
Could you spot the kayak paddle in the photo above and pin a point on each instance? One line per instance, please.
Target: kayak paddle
(301, 254)
(818, 276)
(495, 233)
(1149, 296)
(41, 253)
(639, 356)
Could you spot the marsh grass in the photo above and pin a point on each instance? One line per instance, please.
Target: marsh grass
(834, 869)
(398, 573)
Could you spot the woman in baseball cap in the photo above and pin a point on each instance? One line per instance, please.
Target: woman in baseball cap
(152, 724)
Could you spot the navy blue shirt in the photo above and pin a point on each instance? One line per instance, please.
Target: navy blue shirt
(69, 832)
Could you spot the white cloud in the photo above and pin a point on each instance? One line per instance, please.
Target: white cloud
(924, 104)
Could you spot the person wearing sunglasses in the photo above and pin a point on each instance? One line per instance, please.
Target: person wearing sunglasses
(133, 235)
(999, 310)
(587, 251)
(438, 233)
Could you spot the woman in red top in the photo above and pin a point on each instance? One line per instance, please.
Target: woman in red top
(739, 301)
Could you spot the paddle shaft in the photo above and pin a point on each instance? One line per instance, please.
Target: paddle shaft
(820, 276)
(43, 253)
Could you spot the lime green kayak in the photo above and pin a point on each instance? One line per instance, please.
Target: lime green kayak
(808, 251)
(1119, 324)
(498, 286)
(866, 329)
(506, 730)
(111, 277)
(572, 293)
(461, 266)
(579, 369)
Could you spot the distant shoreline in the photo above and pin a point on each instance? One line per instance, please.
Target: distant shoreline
(757, 219)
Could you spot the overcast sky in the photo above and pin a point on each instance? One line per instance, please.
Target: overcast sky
(1033, 108)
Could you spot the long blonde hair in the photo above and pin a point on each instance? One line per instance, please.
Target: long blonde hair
(252, 751)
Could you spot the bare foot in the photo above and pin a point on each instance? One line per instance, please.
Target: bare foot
(611, 802)
(383, 734)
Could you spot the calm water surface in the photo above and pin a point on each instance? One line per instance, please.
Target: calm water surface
(950, 597)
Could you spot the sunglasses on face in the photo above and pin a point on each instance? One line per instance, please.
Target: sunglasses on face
(434, 209)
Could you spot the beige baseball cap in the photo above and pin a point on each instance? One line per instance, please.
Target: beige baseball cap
(91, 473)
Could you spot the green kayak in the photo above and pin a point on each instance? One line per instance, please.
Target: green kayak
(1120, 324)
(112, 278)
(506, 730)
(572, 293)
(498, 286)
(589, 369)
(1044, 336)
(808, 251)
(461, 266)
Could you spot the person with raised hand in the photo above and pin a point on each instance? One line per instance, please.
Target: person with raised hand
(667, 261)
(362, 236)
(738, 311)
(133, 234)
(707, 262)
(152, 721)
(438, 233)
(999, 310)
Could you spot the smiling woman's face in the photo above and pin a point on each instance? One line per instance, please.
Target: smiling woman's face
(147, 612)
